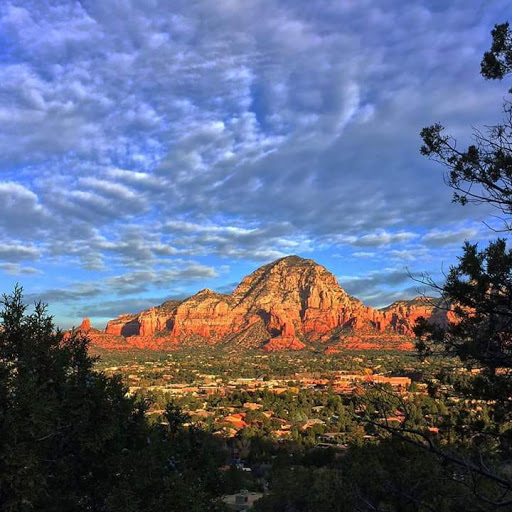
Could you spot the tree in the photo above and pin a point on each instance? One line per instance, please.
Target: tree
(473, 446)
(482, 173)
(71, 440)
(480, 286)
(175, 418)
(478, 289)
(497, 62)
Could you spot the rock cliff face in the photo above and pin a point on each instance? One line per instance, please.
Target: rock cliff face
(401, 316)
(85, 326)
(290, 304)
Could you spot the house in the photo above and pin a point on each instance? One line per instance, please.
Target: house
(237, 420)
(252, 406)
(244, 500)
(281, 433)
(304, 425)
(226, 432)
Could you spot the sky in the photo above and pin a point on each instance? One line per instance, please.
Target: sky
(150, 149)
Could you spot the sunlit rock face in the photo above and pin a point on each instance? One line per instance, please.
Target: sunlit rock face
(290, 304)
(85, 326)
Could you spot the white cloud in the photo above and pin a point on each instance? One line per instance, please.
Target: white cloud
(17, 251)
(228, 130)
(377, 239)
(363, 254)
(444, 237)
(21, 213)
(15, 269)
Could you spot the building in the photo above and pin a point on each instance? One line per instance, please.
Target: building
(244, 500)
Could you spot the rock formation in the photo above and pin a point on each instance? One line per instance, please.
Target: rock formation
(290, 304)
(85, 326)
(401, 316)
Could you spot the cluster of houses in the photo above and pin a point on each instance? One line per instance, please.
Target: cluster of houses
(230, 420)
(212, 385)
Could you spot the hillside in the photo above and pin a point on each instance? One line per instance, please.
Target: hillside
(290, 304)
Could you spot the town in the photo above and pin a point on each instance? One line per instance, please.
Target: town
(285, 393)
(311, 406)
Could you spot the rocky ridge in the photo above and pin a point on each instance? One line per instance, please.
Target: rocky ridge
(290, 304)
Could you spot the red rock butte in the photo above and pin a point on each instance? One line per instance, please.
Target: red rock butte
(290, 304)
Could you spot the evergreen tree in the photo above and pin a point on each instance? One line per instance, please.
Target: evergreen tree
(71, 440)
(478, 291)
(473, 449)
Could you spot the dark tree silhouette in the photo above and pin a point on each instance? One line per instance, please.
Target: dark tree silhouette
(71, 440)
(477, 295)
(497, 62)
(481, 173)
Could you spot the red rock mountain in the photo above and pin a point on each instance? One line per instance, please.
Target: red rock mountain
(290, 304)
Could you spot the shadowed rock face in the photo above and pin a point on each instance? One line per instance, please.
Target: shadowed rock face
(284, 305)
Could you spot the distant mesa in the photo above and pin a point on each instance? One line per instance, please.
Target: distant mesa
(290, 304)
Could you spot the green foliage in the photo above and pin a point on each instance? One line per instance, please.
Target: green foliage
(175, 418)
(390, 476)
(480, 288)
(461, 449)
(236, 479)
(483, 172)
(497, 62)
(301, 489)
(71, 438)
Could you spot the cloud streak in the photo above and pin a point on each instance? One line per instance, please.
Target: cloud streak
(195, 141)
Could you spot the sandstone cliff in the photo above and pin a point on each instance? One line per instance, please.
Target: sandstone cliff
(289, 304)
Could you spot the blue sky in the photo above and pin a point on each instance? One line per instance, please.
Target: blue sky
(150, 149)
